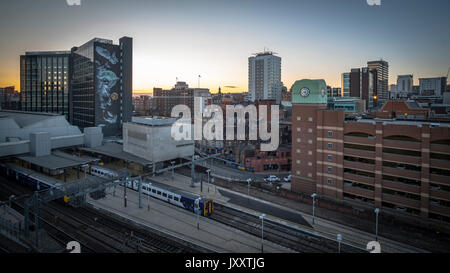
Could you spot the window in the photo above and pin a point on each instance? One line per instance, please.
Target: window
(299, 140)
(330, 134)
(298, 151)
(330, 146)
(309, 174)
(309, 163)
(299, 129)
(158, 192)
(310, 119)
(175, 199)
(330, 170)
(330, 181)
(164, 194)
(310, 152)
(330, 158)
(298, 161)
(170, 197)
(153, 191)
(310, 141)
(299, 118)
(298, 172)
(309, 130)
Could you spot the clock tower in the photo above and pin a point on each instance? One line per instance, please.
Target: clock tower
(309, 97)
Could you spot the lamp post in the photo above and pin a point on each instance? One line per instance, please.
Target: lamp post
(173, 170)
(208, 171)
(339, 239)
(197, 201)
(377, 210)
(248, 189)
(262, 231)
(148, 195)
(313, 208)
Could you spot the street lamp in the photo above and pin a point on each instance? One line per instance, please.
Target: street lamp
(313, 203)
(173, 170)
(148, 195)
(197, 201)
(208, 171)
(339, 239)
(377, 210)
(262, 231)
(248, 188)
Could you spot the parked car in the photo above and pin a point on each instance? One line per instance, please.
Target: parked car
(287, 178)
(272, 178)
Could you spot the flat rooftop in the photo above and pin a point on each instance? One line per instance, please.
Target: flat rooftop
(405, 122)
(115, 150)
(56, 161)
(154, 121)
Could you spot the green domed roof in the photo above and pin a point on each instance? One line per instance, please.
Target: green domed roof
(309, 91)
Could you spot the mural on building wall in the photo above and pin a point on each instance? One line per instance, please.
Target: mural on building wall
(106, 83)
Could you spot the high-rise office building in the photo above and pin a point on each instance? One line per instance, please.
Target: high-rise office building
(345, 81)
(405, 83)
(382, 78)
(101, 86)
(44, 81)
(264, 77)
(432, 86)
(362, 85)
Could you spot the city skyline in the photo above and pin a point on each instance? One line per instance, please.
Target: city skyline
(195, 40)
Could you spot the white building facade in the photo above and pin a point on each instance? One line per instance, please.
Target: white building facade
(264, 77)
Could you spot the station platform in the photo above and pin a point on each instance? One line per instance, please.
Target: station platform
(283, 215)
(182, 224)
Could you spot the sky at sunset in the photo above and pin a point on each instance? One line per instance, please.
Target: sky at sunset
(186, 38)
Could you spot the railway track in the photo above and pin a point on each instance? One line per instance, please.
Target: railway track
(96, 232)
(288, 237)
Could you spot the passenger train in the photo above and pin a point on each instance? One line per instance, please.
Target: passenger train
(30, 178)
(189, 201)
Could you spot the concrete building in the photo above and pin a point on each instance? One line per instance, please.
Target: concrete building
(349, 105)
(433, 86)
(21, 131)
(151, 139)
(9, 98)
(382, 78)
(101, 85)
(45, 82)
(264, 77)
(405, 83)
(165, 100)
(399, 166)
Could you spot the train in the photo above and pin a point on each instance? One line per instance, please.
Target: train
(31, 179)
(176, 197)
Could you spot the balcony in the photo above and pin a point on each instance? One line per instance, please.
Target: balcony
(359, 166)
(359, 178)
(398, 186)
(401, 201)
(407, 145)
(360, 140)
(402, 173)
(402, 158)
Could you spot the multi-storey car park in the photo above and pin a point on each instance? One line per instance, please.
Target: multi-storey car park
(400, 166)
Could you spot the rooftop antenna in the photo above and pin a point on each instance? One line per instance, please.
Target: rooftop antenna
(199, 81)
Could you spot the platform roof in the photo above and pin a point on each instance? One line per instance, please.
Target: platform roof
(115, 150)
(56, 161)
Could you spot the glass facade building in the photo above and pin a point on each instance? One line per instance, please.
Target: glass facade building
(44, 82)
